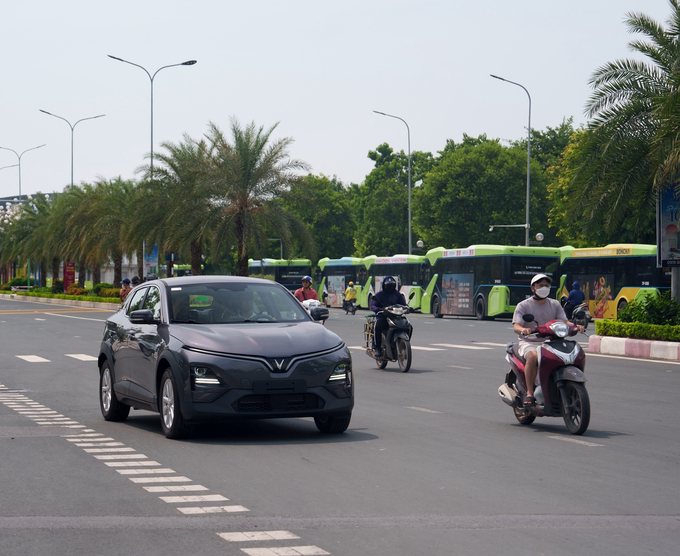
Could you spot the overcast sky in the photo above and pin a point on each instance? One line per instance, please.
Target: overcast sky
(318, 68)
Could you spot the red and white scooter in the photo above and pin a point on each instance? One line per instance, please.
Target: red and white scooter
(561, 390)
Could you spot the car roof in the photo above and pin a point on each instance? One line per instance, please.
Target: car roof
(212, 279)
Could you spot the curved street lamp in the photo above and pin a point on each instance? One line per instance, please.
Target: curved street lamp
(19, 157)
(528, 156)
(151, 78)
(72, 128)
(408, 131)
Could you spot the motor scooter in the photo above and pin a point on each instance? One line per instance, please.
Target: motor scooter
(561, 390)
(571, 312)
(350, 306)
(396, 340)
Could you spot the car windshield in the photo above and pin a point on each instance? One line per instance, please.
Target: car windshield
(233, 302)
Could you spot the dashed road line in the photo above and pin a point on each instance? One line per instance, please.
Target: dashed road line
(81, 356)
(194, 498)
(424, 410)
(212, 510)
(33, 359)
(574, 440)
(460, 346)
(247, 536)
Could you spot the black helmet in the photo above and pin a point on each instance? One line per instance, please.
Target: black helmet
(389, 284)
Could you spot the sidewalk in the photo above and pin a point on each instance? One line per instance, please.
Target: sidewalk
(648, 349)
(71, 303)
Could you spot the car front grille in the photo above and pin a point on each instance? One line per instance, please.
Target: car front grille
(278, 402)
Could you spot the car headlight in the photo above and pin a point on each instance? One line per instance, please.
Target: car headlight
(203, 376)
(342, 372)
(560, 329)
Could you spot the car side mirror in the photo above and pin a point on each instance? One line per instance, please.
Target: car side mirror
(142, 316)
(319, 313)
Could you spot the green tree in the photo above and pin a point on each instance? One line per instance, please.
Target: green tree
(246, 179)
(476, 184)
(323, 204)
(381, 202)
(633, 148)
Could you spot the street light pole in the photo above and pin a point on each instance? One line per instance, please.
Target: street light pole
(408, 131)
(72, 128)
(19, 157)
(151, 78)
(528, 153)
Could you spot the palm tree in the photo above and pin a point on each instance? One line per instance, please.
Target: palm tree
(632, 148)
(246, 180)
(174, 209)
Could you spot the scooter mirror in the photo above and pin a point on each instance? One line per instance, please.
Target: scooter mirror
(528, 318)
(579, 315)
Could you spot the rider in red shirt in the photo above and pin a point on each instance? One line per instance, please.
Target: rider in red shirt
(306, 291)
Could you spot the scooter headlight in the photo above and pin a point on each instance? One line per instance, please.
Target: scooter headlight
(560, 329)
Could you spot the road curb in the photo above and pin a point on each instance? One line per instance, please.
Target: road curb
(54, 301)
(648, 349)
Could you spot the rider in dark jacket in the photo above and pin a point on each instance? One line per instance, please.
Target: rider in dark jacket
(384, 298)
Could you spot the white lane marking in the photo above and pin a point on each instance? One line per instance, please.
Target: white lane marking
(427, 348)
(199, 498)
(212, 509)
(148, 463)
(33, 359)
(246, 536)
(180, 479)
(72, 317)
(122, 456)
(81, 356)
(422, 409)
(309, 550)
(90, 444)
(87, 436)
(458, 367)
(491, 344)
(105, 450)
(145, 471)
(574, 440)
(458, 346)
(71, 424)
(175, 488)
(40, 319)
(357, 347)
(637, 359)
(98, 439)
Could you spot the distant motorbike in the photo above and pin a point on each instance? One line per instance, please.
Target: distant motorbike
(396, 340)
(350, 306)
(561, 390)
(572, 311)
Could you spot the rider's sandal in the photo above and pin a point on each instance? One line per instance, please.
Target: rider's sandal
(529, 401)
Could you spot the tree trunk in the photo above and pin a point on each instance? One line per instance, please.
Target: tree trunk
(96, 274)
(81, 273)
(196, 253)
(117, 268)
(140, 262)
(43, 274)
(241, 246)
(55, 269)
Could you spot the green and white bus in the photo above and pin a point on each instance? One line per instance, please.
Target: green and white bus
(334, 275)
(612, 276)
(485, 281)
(287, 272)
(412, 273)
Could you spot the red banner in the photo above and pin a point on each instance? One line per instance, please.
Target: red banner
(69, 275)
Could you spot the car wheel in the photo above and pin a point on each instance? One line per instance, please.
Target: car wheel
(334, 424)
(172, 421)
(112, 409)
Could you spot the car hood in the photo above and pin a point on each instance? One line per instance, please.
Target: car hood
(263, 339)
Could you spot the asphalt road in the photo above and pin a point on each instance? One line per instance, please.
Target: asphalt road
(433, 461)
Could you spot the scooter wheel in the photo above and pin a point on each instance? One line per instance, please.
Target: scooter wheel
(577, 414)
(382, 363)
(523, 416)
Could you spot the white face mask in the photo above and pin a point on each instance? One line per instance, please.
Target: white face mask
(543, 292)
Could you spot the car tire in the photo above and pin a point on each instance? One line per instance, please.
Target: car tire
(173, 423)
(333, 424)
(112, 409)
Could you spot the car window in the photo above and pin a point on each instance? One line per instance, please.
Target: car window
(234, 302)
(153, 302)
(137, 299)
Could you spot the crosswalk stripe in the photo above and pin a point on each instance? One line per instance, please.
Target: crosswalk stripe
(309, 550)
(33, 359)
(81, 356)
(247, 536)
(190, 498)
(212, 509)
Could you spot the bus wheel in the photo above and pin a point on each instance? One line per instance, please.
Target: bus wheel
(480, 308)
(436, 307)
(622, 305)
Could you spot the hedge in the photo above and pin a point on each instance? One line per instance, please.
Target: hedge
(72, 297)
(638, 330)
